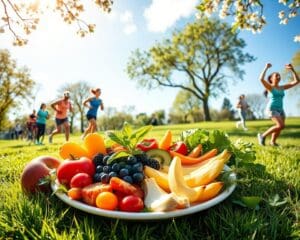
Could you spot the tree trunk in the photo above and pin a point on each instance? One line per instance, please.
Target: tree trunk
(206, 111)
(82, 122)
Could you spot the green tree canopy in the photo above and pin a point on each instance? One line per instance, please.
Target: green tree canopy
(16, 84)
(201, 59)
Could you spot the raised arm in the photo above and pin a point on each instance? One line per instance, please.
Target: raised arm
(266, 84)
(86, 101)
(296, 78)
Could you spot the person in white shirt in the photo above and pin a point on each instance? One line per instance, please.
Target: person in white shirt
(242, 107)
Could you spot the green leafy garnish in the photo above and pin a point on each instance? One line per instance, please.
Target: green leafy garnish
(128, 138)
(241, 151)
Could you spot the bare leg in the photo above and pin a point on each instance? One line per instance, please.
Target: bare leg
(93, 125)
(67, 130)
(88, 129)
(276, 129)
(277, 133)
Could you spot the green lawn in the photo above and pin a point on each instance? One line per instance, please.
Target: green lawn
(273, 176)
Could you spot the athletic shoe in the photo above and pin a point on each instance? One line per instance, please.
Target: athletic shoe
(245, 129)
(261, 139)
(274, 144)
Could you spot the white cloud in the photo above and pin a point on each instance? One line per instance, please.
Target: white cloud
(162, 14)
(127, 19)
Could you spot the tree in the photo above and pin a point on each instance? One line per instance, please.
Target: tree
(196, 59)
(79, 91)
(257, 103)
(227, 109)
(185, 105)
(248, 14)
(21, 17)
(15, 84)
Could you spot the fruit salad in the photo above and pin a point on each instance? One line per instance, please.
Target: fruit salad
(131, 173)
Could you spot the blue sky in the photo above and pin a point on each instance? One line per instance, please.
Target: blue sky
(56, 55)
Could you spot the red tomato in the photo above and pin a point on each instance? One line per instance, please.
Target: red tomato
(80, 180)
(68, 168)
(131, 203)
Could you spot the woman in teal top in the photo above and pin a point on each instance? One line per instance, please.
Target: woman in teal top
(275, 105)
(93, 103)
(42, 117)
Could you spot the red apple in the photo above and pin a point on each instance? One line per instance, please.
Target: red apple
(37, 169)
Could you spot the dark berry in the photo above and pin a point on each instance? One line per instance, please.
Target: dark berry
(99, 169)
(98, 159)
(131, 160)
(123, 172)
(105, 178)
(106, 169)
(116, 167)
(128, 179)
(97, 177)
(112, 174)
(137, 177)
(105, 159)
(153, 163)
(138, 167)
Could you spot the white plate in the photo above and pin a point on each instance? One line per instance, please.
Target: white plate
(147, 215)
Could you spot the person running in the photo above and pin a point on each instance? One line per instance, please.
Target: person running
(42, 117)
(93, 103)
(61, 108)
(275, 93)
(31, 126)
(242, 107)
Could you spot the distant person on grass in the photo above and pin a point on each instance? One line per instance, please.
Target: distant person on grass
(31, 126)
(242, 107)
(92, 103)
(275, 93)
(42, 116)
(61, 108)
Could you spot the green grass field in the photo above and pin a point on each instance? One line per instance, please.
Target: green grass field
(273, 177)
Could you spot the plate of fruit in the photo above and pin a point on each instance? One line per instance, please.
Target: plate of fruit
(128, 176)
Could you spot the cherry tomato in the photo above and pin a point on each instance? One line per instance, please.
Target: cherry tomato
(107, 201)
(68, 168)
(131, 203)
(80, 180)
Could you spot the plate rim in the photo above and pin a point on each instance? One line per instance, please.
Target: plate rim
(147, 215)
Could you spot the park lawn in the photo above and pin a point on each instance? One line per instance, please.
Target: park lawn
(273, 177)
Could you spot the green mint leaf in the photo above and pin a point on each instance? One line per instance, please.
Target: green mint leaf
(117, 155)
(139, 134)
(117, 137)
(126, 130)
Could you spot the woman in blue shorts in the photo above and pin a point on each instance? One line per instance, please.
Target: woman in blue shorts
(93, 103)
(275, 93)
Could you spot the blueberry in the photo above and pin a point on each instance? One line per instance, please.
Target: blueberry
(131, 160)
(128, 179)
(137, 177)
(116, 167)
(105, 178)
(123, 172)
(112, 174)
(97, 177)
(137, 167)
(122, 164)
(99, 169)
(105, 159)
(106, 169)
(98, 159)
